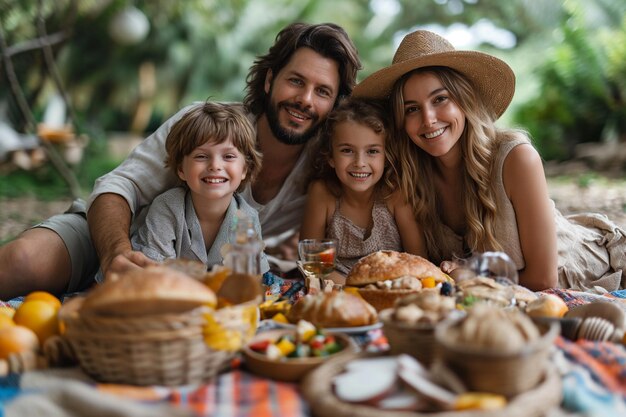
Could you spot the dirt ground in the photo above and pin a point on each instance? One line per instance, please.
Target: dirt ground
(604, 196)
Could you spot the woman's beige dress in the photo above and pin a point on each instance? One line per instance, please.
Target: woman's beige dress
(591, 248)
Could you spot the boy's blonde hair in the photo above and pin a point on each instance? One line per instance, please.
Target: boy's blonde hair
(215, 123)
(367, 112)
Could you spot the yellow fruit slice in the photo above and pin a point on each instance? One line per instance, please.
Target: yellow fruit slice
(280, 317)
(429, 282)
(39, 316)
(479, 401)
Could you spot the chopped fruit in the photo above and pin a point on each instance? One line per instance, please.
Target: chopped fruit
(305, 330)
(429, 282)
(307, 341)
(260, 346)
(280, 317)
(273, 352)
(285, 346)
(479, 401)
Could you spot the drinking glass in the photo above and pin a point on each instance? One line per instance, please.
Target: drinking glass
(317, 256)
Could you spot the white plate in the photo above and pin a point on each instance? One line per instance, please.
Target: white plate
(348, 330)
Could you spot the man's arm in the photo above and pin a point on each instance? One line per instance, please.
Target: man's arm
(111, 238)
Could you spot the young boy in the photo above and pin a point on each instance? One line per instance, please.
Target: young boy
(212, 149)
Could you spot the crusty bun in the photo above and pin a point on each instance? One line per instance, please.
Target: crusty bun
(548, 305)
(388, 265)
(333, 309)
(153, 290)
(386, 276)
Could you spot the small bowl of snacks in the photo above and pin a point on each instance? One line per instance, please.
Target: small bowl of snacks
(410, 325)
(288, 354)
(496, 350)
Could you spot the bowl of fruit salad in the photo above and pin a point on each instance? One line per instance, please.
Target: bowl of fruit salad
(288, 354)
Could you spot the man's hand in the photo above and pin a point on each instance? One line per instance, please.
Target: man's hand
(127, 261)
(109, 224)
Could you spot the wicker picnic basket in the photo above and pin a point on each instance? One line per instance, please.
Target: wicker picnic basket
(161, 349)
(317, 389)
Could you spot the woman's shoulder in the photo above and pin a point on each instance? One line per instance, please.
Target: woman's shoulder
(522, 155)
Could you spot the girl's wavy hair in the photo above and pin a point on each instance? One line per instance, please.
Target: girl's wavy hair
(366, 112)
(479, 140)
(214, 122)
(327, 39)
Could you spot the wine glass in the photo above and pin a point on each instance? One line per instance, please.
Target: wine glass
(317, 256)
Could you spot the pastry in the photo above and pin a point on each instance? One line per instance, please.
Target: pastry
(333, 309)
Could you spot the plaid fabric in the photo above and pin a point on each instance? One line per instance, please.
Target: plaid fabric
(240, 394)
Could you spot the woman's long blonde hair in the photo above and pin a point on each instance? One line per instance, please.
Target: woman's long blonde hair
(479, 141)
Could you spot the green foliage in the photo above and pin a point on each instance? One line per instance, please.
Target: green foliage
(46, 183)
(581, 96)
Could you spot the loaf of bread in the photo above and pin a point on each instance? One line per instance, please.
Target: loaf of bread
(390, 265)
(386, 276)
(333, 309)
(152, 290)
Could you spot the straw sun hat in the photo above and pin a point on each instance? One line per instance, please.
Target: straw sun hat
(492, 77)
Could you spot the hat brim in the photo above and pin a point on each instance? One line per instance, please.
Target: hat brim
(492, 77)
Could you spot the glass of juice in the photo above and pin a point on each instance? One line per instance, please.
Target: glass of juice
(317, 256)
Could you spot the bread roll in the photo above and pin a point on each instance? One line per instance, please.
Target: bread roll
(548, 305)
(389, 265)
(386, 276)
(333, 309)
(153, 290)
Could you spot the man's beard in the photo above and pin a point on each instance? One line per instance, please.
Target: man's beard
(287, 136)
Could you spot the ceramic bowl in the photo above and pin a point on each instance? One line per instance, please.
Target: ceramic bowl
(289, 369)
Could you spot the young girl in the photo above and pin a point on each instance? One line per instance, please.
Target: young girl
(476, 187)
(212, 149)
(353, 197)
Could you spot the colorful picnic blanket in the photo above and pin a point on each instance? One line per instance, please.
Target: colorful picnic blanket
(594, 384)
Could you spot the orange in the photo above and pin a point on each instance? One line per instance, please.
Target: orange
(39, 316)
(7, 311)
(6, 321)
(44, 296)
(16, 339)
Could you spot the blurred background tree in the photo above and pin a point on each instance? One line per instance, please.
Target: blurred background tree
(127, 65)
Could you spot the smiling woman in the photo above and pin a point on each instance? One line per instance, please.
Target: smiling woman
(477, 187)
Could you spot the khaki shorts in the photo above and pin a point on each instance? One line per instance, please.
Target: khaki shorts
(72, 228)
